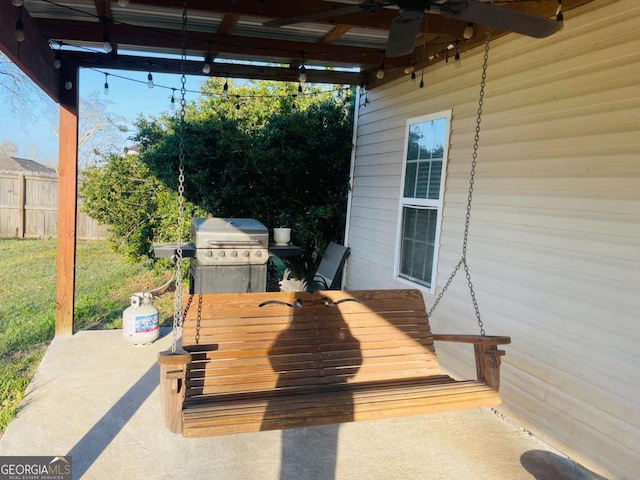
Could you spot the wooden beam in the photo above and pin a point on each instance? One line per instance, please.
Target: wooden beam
(103, 9)
(232, 45)
(335, 33)
(33, 56)
(228, 23)
(218, 69)
(67, 202)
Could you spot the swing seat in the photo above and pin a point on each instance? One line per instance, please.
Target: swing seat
(264, 361)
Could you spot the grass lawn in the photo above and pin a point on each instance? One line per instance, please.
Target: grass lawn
(104, 283)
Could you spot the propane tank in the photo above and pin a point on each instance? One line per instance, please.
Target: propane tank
(140, 320)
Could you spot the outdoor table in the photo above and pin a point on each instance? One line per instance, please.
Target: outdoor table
(283, 251)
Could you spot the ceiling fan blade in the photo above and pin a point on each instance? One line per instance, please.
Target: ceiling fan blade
(403, 32)
(324, 14)
(501, 18)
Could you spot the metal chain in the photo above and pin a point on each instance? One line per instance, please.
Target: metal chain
(463, 260)
(198, 319)
(188, 305)
(178, 313)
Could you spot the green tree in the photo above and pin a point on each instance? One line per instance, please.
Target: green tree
(138, 208)
(262, 160)
(304, 175)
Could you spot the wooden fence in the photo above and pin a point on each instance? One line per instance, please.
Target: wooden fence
(29, 209)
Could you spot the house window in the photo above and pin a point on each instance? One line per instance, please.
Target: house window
(420, 212)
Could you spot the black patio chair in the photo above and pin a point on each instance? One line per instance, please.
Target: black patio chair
(328, 276)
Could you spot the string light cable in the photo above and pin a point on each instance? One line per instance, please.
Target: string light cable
(339, 90)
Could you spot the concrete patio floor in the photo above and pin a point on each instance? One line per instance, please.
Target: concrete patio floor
(96, 398)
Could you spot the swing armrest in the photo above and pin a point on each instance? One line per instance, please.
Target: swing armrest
(486, 352)
(476, 339)
(173, 369)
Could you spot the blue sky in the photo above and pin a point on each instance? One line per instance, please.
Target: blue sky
(127, 98)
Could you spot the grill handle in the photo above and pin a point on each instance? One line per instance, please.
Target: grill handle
(219, 243)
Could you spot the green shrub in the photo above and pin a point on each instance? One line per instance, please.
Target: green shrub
(263, 162)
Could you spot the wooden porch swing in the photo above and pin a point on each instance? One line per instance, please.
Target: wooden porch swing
(261, 361)
(265, 361)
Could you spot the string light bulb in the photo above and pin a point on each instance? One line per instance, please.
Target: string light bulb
(206, 66)
(424, 53)
(106, 84)
(17, 3)
(19, 34)
(108, 48)
(68, 85)
(303, 74)
(57, 63)
(456, 57)
(123, 3)
(451, 46)
(302, 78)
(380, 73)
(173, 99)
(364, 92)
(150, 80)
(559, 14)
(293, 108)
(468, 31)
(225, 89)
(19, 31)
(300, 89)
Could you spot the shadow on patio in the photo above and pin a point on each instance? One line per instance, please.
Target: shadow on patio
(96, 398)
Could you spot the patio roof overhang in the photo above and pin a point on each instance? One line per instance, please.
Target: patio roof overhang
(346, 49)
(340, 49)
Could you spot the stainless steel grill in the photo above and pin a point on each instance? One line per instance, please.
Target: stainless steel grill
(231, 255)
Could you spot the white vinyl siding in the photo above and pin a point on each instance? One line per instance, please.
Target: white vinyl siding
(554, 246)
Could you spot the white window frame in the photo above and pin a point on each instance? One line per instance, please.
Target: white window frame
(422, 203)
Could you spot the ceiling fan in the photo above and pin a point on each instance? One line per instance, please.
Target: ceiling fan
(405, 27)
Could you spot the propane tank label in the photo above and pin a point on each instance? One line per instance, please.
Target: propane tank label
(146, 323)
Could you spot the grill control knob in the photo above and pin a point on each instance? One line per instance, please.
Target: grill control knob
(245, 253)
(209, 253)
(259, 253)
(234, 253)
(222, 254)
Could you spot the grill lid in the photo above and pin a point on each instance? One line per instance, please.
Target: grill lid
(226, 232)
